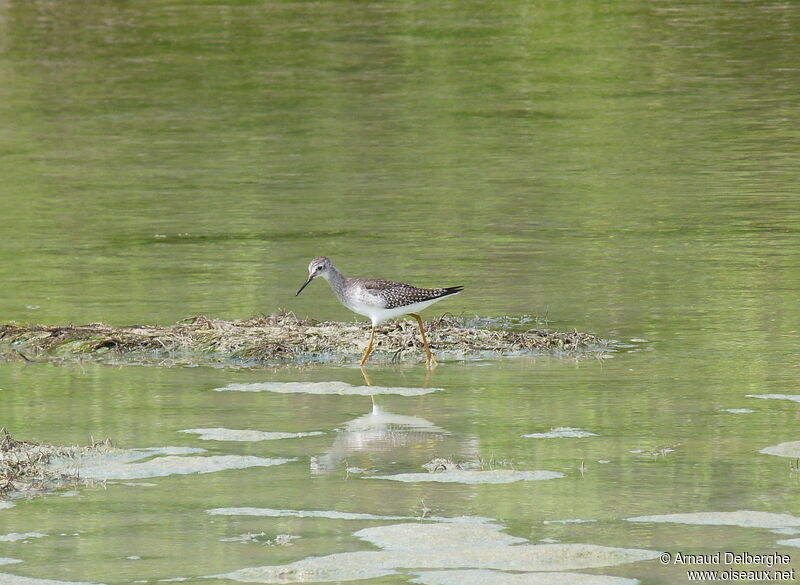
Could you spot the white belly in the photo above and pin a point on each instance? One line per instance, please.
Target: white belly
(378, 315)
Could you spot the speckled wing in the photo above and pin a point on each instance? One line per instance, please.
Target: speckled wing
(398, 294)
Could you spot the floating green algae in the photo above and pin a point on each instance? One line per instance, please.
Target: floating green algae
(415, 546)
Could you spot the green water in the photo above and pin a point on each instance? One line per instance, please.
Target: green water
(625, 168)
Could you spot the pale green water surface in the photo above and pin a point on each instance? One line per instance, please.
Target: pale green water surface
(625, 168)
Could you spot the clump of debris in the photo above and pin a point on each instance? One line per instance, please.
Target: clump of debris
(25, 466)
(283, 337)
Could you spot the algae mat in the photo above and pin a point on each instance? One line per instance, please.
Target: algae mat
(282, 338)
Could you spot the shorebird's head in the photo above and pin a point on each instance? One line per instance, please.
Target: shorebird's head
(320, 266)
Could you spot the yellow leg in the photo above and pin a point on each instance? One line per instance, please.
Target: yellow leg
(369, 347)
(366, 380)
(430, 361)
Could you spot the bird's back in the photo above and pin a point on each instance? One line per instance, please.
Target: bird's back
(389, 294)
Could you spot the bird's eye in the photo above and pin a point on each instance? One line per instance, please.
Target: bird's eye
(319, 267)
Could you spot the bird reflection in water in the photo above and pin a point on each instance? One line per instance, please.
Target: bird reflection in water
(378, 431)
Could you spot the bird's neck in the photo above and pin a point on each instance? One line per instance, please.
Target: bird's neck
(336, 280)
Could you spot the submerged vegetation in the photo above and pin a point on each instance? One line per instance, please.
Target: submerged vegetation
(283, 337)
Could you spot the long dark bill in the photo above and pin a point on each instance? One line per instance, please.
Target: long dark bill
(310, 278)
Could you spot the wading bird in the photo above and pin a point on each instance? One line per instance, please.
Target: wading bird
(379, 299)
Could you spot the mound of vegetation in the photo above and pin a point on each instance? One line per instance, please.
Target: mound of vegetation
(283, 337)
(25, 466)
